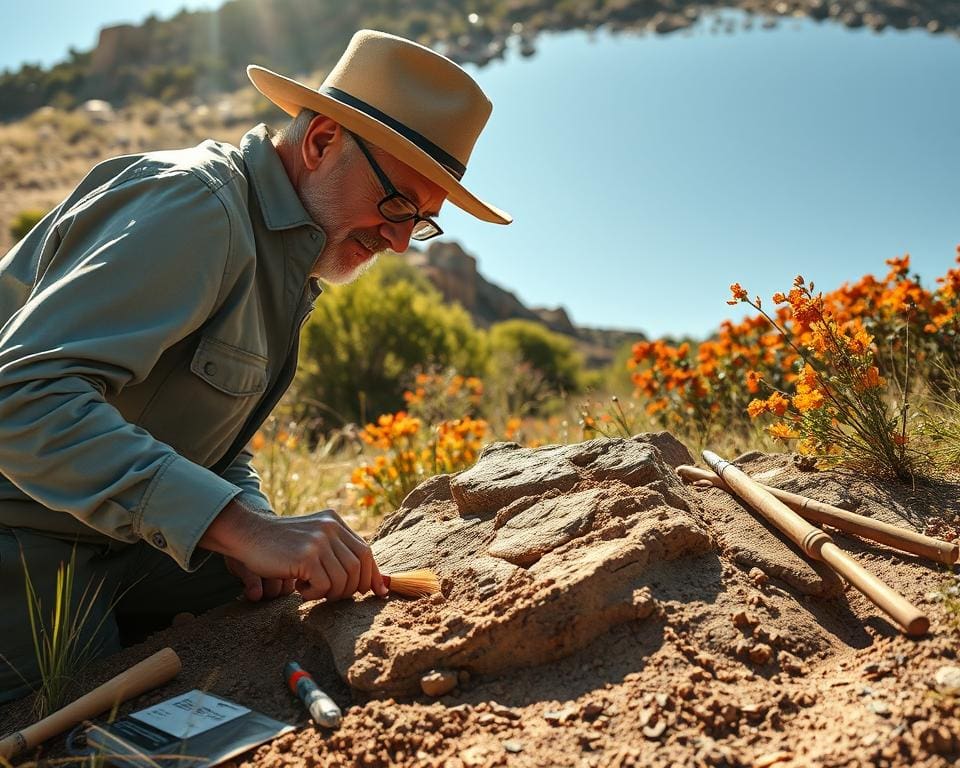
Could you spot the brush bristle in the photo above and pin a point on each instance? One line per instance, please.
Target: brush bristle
(419, 583)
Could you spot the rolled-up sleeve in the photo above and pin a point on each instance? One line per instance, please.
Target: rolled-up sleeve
(126, 274)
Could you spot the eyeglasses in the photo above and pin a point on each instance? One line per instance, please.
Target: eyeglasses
(395, 207)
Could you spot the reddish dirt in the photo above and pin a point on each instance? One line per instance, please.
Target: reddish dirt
(733, 668)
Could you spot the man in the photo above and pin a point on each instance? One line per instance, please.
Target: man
(149, 324)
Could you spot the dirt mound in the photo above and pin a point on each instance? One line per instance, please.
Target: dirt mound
(596, 612)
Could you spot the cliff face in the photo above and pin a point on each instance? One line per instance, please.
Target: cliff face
(454, 273)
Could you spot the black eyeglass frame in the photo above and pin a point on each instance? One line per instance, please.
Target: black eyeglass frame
(393, 194)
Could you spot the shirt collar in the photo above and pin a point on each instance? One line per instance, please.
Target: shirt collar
(278, 199)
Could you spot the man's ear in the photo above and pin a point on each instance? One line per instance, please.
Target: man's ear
(322, 143)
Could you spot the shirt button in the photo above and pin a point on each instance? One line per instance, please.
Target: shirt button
(158, 540)
(210, 369)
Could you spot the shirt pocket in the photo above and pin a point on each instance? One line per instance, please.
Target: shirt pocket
(200, 407)
(229, 369)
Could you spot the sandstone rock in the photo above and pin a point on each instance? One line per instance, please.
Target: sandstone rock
(540, 551)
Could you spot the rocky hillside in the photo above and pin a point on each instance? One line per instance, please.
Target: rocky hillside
(454, 272)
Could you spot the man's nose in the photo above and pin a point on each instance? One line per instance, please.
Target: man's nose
(397, 233)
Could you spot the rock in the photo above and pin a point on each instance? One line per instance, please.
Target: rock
(743, 619)
(947, 680)
(438, 682)
(505, 473)
(181, 619)
(758, 577)
(655, 730)
(533, 568)
(513, 747)
(772, 758)
(560, 716)
(790, 663)
(879, 708)
(761, 653)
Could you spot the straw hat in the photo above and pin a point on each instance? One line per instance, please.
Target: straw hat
(408, 100)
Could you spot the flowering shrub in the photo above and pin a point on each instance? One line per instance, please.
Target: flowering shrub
(838, 409)
(411, 454)
(869, 339)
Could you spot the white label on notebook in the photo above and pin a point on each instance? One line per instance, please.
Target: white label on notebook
(192, 713)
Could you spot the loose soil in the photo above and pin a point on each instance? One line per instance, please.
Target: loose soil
(615, 618)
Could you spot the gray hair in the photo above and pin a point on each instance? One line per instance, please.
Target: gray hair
(294, 132)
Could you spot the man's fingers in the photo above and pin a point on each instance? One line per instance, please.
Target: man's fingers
(272, 588)
(335, 572)
(317, 587)
(288, 586)
(252, 584)
(351, 564)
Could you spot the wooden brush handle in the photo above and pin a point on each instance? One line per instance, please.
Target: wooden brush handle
(153, 671)
(943, 552)
(818, 545)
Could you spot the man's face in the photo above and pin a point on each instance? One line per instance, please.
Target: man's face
(341, 197)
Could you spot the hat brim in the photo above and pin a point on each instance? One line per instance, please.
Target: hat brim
(292, 96)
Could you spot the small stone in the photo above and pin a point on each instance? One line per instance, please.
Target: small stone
(744, 619)
(772, 758)
(758, 577)
(463, 677)
(559, 716)
(513, 747)
(438, 682)
(761, 653)
(790, 663)
(656, 730)
(592, 710)
(947, 680)
(879, 708)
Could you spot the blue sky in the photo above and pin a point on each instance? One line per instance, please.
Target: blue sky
(648, 173)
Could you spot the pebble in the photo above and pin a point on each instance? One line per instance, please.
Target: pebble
(761, 653)
(879, 708)
(656, 730)
(513, 747)
(772, 758)
(438, 682)
(758, 577)
(559, 716)
(947, 680)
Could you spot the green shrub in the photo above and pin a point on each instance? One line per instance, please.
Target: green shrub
(365, 340)
(553, 356)
(24, 221)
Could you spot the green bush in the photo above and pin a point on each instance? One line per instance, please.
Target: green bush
(553, 356)
(23, 222)
(365, 340)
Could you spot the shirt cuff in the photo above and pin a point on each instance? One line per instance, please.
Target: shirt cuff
(179, 506)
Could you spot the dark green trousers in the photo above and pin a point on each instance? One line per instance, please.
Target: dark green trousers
(140, 590)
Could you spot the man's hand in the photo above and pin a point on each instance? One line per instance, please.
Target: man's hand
(256, 588)
(318, 554)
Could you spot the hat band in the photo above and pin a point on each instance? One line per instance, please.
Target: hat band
(448, 161)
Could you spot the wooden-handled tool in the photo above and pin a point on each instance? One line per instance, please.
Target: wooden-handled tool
(943, 552)
(153, 671)
(818, 545)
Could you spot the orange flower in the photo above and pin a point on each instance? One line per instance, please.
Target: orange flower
(808, 401)
(739, 294)
(782, 431)
(756, 408)
(753, 382)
